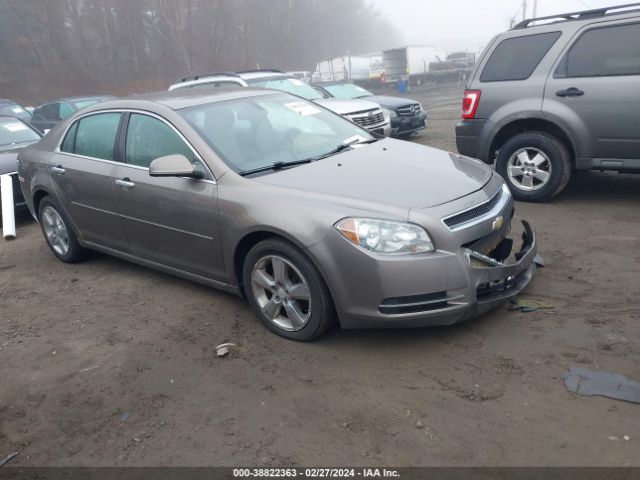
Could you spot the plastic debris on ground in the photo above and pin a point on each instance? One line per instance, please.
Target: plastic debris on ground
(223, 349)
(526, 305)
(611, 385)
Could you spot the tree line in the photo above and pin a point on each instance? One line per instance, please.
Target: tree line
(54, 48)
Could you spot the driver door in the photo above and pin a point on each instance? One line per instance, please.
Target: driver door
(169, 220)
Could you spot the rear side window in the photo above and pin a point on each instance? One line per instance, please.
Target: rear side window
(149, 138)
(517, 58)
(96, 135)
(69, 141)
(603, 52)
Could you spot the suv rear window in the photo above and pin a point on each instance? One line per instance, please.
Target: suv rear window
(517, 58)
(603, 52)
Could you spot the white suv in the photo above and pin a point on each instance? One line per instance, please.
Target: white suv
(367, 114)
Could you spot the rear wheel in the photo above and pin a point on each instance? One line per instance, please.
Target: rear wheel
(535, 165)
(58, 232)
(286, 291)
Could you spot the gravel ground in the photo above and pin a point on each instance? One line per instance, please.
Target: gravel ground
(107, 363)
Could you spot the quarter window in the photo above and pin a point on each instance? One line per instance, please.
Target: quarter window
(149, 138)
(65, 110)
(517, 58)
(603, 52)
(96, 135)
(69, 141)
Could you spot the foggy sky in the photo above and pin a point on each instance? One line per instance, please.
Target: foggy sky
(467, 24)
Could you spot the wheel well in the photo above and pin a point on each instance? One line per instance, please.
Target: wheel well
(246, 244)
(527, 125)
(37, 197)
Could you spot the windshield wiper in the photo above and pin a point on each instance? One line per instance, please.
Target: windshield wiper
(275, 166)
(280, 165)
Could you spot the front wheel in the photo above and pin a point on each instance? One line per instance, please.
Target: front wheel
(535, 165)
(286, 291)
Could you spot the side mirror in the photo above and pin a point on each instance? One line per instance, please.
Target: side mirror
(174, 166)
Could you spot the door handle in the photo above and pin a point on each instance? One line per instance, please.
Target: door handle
(125, 183)
(570, 92)
(58, 170)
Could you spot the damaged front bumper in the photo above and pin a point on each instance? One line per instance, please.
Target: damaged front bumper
(441, 288)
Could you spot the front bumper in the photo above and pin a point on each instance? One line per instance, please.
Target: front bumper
(401, 126)
(440, 288)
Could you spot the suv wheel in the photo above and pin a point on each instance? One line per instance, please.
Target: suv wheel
(535, 165)
(286, 291)
(58, 232)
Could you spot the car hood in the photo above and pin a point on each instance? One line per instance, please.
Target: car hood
(389, 172)
(390, 102)
(344, 107)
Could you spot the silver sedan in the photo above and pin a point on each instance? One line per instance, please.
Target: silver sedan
(269, 196)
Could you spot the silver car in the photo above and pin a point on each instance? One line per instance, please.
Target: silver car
(266, 195)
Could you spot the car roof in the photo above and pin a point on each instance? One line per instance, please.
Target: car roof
(183, 98)
(6, 101)
(262, 74)
(208, 79)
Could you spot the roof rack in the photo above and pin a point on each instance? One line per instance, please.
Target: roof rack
(204, 75)
(272, 70)
(598, 12)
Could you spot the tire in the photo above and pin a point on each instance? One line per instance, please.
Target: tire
(546, 154)
(279, 298)
(58, 232)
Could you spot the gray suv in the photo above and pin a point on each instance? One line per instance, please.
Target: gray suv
(554, 95)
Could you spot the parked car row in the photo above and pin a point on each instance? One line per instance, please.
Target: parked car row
(382, 115)
(316, 218)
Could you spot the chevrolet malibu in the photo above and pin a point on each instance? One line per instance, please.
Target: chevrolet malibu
(272, 197)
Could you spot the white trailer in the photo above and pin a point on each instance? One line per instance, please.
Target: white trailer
(349, 67)
(410, 62)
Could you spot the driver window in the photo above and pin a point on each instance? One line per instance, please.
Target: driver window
(149, 138)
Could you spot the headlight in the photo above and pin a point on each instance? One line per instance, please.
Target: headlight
(382, 236)
(390, 113)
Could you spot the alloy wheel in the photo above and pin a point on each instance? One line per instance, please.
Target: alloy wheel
(55, 230)
(281, 292)
(529, 169)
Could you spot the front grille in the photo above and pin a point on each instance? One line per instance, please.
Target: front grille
(499, 287)
(409, 110)
(368, 119)
(470, 215)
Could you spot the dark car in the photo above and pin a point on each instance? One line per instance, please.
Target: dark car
(14, 136)
(407, 116)
(48, 114)
(9, 108)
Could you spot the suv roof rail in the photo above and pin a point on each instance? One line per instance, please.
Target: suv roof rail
(204, 75)
(272, 70)
(598, 12)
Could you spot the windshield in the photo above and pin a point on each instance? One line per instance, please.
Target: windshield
(256, 132)
(13, 110)
(289, 85)
(347, 91)
(13, 131)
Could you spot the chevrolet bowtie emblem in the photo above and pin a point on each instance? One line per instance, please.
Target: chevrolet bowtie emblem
(497, 223)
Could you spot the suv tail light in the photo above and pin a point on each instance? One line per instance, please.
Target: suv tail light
(470, 103)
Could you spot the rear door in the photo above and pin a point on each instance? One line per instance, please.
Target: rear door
(82, 173)
(169, 220)
(595, 90)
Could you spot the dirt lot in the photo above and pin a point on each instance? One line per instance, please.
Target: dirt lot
(107, 363)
